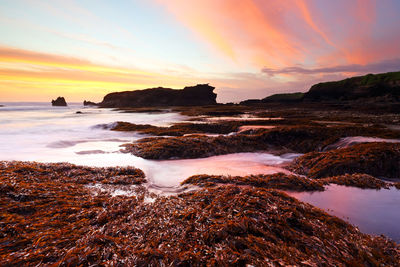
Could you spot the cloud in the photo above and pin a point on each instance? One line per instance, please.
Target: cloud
(382, 66)
(26, 72)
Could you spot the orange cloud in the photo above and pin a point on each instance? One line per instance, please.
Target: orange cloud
(277, 34)
(241, 30)
(24, 71)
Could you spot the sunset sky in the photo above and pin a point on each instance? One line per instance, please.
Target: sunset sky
(245, 48)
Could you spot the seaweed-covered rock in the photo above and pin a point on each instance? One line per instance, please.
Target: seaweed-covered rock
(360, 180)
(52, 214)
(376, 159)
(178, 129)
(301, 139)
(277, 181)
(60, 101)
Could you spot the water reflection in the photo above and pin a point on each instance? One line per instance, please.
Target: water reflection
(372, 211)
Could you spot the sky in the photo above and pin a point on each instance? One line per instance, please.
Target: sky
(245, 48)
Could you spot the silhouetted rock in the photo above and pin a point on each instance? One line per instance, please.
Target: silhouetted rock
(89, 103)
(60, 101)
(382, 87)
(276, 98)
(289, 97)
(78, 112)
(201, 94)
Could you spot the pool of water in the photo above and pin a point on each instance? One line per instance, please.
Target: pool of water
(372, 211)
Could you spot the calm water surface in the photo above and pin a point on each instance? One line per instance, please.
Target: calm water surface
(373, 211)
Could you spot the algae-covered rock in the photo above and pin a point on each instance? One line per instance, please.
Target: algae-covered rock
(376, 159)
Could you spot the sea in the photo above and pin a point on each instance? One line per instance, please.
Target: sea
(81, 135)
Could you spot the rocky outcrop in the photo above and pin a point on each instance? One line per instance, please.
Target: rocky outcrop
(376, 159)
(201, 94)
(60, 102)
(89, 103)
(378, 87)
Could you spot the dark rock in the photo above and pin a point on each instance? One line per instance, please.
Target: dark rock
(60, 101)
(78, 112)
(376, 159)
(289, 97)
(89, 103)
(384, 87)
(301, 139)
(201, 94)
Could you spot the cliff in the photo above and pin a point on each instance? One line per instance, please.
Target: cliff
(384, 86)
(60, 101)
(201, 94)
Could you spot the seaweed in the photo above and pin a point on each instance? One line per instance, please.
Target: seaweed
(49, 215)
(301, 139)
(277, 181)
(376, 159)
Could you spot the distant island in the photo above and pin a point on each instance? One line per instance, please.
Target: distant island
(60, 102)
(198, 95)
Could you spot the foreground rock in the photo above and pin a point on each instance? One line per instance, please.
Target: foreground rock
(178, 129)
(274, 181)
(50, 215)
(290, 182)
(301, 139)
(60, 101)
(376, 159)
(201, 94)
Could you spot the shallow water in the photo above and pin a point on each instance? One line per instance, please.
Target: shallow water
(353, 140)
(40, 132)
(373, 211)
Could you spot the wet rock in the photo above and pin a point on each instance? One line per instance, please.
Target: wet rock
(60, 101)
(178, 129)
(359, 180)
(301, 139)
(50, 215)
(376, 159)
(277, 181)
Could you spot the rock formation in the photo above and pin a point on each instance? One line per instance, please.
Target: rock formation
(89, 103)
(372, 88)
(201, 94)
(380, 87)
(60, 101)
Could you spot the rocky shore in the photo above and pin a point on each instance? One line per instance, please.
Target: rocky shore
(63, 214)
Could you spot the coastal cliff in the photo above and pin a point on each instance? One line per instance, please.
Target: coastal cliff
(372, 88)
(201, 94)
(384, 86)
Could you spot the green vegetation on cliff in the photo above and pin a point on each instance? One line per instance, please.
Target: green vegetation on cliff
(368, 86)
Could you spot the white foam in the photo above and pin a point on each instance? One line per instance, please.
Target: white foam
(352, 140)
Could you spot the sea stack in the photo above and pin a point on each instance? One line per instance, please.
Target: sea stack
(60, 102)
